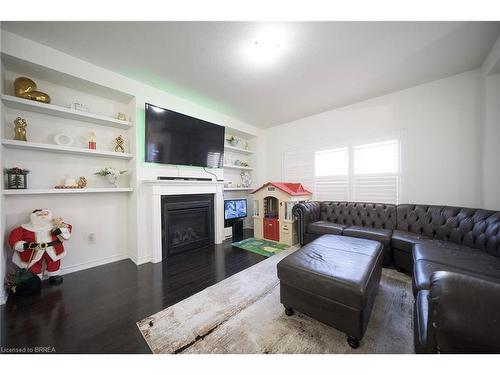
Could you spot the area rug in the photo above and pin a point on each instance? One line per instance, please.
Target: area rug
(262, 247)
(242, 314)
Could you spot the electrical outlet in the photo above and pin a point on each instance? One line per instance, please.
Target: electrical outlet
(91, 238)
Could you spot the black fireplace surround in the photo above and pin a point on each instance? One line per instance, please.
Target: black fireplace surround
(187, 223)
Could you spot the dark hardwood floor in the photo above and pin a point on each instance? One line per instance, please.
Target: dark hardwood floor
(95, 310)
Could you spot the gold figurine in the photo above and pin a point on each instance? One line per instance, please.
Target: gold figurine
(119, 144)
(82, 183)
(26, 88)
(58, 222)
(20, 129)
(121, 116)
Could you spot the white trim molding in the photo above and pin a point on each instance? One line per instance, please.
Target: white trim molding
(158, 188)
(139, 260)
(93, 263)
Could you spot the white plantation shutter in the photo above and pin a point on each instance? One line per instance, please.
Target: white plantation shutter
(376, 172)
(362, 173)
(331, 171)
(298, 166)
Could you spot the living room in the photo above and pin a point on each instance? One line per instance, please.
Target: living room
(166, 182)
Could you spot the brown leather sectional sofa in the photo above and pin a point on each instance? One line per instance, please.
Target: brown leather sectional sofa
(453, 254)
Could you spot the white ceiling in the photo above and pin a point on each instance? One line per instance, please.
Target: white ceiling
(322, 65)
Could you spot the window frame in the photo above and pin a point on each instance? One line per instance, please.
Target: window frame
(351, 148)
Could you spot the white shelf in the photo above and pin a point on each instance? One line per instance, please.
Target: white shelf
(238, 189)
(238, 149)
(58, 111)
(238, 167)
(21, 145)
(65, 191)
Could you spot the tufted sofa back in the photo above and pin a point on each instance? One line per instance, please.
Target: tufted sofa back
(469, 226)
(373, 215)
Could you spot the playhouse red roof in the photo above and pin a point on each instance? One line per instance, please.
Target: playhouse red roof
(291, 188)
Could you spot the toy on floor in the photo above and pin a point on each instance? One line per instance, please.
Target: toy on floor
(273, 218)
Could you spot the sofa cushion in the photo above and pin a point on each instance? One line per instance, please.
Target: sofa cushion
(459, 256)
(404, 241)
(373, 215)
(335, 267)
(423, 269)
(380, 235)
(472, 227)
(325, 227)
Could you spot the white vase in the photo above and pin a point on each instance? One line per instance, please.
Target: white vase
(113, 180)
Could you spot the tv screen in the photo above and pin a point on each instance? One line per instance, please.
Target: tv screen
(174, 138)
(235, 208)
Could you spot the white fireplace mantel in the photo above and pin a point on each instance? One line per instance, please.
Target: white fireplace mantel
(158, 188)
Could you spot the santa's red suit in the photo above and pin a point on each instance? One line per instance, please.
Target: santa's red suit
(37, 242)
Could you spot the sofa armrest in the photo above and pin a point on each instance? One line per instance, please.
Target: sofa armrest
(464, 313)
(306, 213)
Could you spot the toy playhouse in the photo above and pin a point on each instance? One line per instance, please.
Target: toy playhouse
(273, 203)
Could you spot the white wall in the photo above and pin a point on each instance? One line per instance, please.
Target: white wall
(437, 123)
(491, 141)
(121, 215)
(490, 84)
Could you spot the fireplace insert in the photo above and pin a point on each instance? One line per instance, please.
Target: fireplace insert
(187, 223)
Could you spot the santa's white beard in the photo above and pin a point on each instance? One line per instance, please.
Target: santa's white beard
(41, 222)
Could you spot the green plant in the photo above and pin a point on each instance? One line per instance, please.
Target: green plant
(106, 171)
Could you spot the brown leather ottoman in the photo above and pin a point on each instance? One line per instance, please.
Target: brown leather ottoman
(333, 279)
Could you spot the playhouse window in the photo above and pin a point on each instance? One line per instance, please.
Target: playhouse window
(255, 208)
(288, 210)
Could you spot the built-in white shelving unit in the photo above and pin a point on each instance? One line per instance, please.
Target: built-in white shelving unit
(238, 167)
(21, 145)
(51, 164)
(238, 150)
(65, 191)
(242, 151)
(67, 113)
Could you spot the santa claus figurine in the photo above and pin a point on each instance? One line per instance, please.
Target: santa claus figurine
(40, 241)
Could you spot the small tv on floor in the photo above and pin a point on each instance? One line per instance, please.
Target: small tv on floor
(235, 209)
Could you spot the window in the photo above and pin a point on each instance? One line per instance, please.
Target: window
(331, 174)
(376, 172)
(363, 173)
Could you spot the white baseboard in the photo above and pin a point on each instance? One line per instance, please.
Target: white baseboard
(141, 260)
(93, 263)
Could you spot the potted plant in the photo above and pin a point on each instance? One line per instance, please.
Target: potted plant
(112, 174)
(233, 141)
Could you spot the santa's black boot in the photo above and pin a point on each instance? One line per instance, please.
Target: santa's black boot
(55, 280)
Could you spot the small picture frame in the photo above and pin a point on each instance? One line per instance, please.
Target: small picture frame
(79, 107)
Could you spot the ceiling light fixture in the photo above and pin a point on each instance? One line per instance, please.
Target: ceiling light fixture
(265, 48)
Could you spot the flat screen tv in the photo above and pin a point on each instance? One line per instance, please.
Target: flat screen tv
(174, 138)
(235, 209)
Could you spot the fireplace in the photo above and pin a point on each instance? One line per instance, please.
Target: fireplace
(187, 223)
